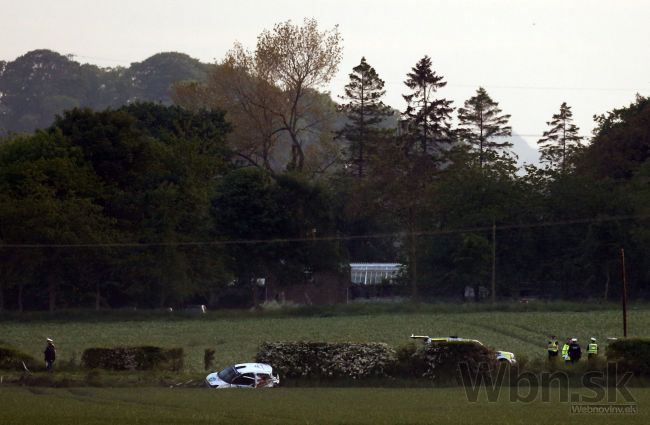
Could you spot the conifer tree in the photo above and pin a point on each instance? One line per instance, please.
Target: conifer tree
(365, 111)
(483, 127)
(427, 118)
(562, 140)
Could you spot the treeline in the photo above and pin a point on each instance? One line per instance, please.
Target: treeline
(42, 83)
(253, 174)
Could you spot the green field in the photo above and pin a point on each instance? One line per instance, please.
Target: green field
(89, 406)
(236, 336)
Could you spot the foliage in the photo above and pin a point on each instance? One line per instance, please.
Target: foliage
(41, 84)
(133, 358)
(631, 355)
(12, 359)
(253, 205)
(149, 206)
(141, 174)
(561, 141)
(271, 92)
(441, 361)
(481, 125)
(365, 113)
(427, 118)
(327, 360)
(621, 141)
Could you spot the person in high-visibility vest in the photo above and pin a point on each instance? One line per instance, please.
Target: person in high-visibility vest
(592, 349)
(575, 353)
(552, 348)
(565, 350)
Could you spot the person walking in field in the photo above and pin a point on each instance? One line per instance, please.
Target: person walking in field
(592, 349)
(50, 355)
(565, 350)
(552, 348)
(574, 351)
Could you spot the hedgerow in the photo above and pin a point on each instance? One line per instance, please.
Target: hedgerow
(327, 360)
(133, 358)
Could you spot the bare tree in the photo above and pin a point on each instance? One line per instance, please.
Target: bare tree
(268, 93)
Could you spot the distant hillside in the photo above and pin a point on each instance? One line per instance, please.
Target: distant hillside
(526, 153)
(42, 83)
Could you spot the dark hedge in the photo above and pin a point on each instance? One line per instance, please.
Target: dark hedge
(12, 359)
(631, 355)
(133, 358)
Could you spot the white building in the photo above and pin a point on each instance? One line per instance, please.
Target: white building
(374, 273)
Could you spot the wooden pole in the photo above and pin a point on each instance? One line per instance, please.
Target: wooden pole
(494, 262)
(624, 294)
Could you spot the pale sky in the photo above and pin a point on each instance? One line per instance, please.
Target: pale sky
(529, 55)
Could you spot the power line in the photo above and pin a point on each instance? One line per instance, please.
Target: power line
(525, 87)
(439, 232)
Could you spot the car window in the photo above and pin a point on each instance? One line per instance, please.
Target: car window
(247, 379)
(228, 374)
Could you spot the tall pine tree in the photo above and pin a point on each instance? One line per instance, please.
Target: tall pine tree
(562, 140)
(427, 119)
(483, 127)
(365, 111)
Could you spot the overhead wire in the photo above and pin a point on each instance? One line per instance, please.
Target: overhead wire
(330, 238)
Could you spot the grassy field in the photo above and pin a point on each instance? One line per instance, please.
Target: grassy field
(89, 406)
(236, 336)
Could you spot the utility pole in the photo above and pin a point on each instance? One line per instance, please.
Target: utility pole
(494, 262)
(624, 294)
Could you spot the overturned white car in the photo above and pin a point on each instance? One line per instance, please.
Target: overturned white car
(502, 356)
(244, 375)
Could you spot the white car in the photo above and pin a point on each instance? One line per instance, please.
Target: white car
(244, 375)
(502, 356)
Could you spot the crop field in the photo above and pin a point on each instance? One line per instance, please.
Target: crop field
(93, 406)
(236, 337)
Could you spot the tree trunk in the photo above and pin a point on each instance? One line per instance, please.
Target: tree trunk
(607, 280)
(256, 299)
(413, 262)
(20, 297)
(51, 285)
(97, 296)
(163, 296)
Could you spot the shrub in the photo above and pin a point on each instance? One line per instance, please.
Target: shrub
(440, 361)
(403, 366)
(133, 358)
(12, 359)
(631, 355)
(327, 360)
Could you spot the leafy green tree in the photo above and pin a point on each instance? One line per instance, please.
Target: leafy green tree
(42, 83)
(365, 113)
(151, 80)
(50, 196)
(38, 83)
(427, 118)
(561, 140)
(159, 166)
(400, 184)
(483, 126)
(256, 213)
(405, 169)
(468, 197)
(621, 144)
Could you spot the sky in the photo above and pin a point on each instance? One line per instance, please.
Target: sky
(529, 55)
